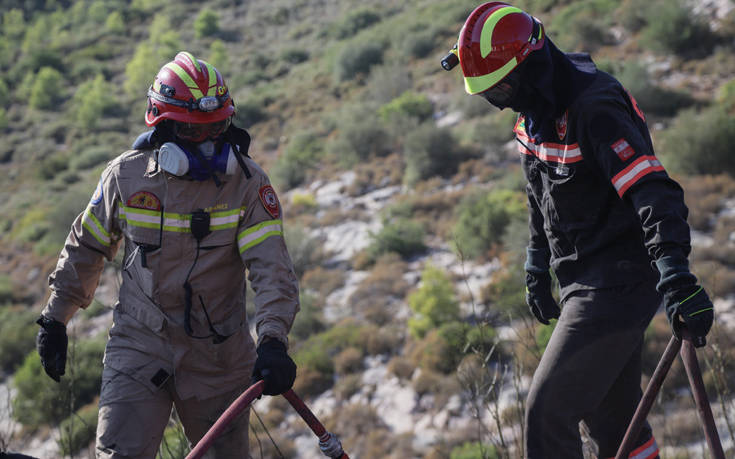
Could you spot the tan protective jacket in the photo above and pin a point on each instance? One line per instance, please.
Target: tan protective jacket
(151, 209)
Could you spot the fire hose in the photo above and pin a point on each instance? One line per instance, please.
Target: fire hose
(691, 365)
(328, 442)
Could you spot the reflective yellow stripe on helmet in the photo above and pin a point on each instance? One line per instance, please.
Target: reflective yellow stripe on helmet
(186, 78)
(212, 76)
(486, 37)
(475, 85)
(192, 59)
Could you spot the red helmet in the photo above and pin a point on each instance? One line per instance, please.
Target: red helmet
(494, 40)
(188, 90)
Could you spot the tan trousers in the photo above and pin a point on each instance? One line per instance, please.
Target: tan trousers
(132, 419)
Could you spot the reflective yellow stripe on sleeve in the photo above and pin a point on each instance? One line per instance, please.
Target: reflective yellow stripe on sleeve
(258, 233)
(95, 228)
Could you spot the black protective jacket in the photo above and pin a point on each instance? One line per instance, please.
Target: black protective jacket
(602, 207)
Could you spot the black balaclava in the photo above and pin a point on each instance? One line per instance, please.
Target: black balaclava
(550, 81)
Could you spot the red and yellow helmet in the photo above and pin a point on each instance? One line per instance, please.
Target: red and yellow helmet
(188, 90)
(494, 40)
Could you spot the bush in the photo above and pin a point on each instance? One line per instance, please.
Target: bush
(206, 23)
(700, 143)
(676, 30)
(78, 430)
(358, 58)
(250, 112)
(483, 218)
(46, 92)
(386, 82)
(420, 43)
(360, 136)
(93, 100)
(294, 55)
(355, 21)
(348, 361)
(402, 236)
(652, 98)
(309, 319)
(90, 157)
(305, 250)
(430, 151)
(433, 303)
(583, 26)
(42, 401)
(408, 104)
(300, 155)
(174, 444)
(17, 330)
(115, 23)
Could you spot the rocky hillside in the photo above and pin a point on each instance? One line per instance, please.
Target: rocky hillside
(403, 203)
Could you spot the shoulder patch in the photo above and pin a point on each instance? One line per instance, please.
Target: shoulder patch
(97, 196)
(270, 200)
(144, 200)
(622, 148)
(561, 125)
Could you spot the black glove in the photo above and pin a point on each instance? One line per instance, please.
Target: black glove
(275, 367)
(51, 343)
(539, 298)
(693, 306)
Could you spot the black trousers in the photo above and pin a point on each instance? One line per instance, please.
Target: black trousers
(591, 371)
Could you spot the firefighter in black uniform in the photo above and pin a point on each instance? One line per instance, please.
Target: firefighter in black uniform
(604, 215)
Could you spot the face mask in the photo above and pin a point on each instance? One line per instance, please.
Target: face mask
(179, 160)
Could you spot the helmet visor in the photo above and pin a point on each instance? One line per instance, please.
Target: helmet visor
(199, 132)
(502, 94)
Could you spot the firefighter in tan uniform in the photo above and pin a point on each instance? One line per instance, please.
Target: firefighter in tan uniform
(195, 212)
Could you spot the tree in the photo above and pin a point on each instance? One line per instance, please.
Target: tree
(206, 24)
(94, 99)
(46, 89)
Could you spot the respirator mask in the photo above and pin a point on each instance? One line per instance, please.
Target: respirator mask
(199, 161)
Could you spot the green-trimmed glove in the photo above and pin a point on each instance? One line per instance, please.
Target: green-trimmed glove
(692, 305)
(539, 297)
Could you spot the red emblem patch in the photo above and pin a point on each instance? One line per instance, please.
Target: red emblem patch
(144, 200)
(561, 126)
(623, 149)
(270, 200)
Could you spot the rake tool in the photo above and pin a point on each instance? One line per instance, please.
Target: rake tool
(691, 365)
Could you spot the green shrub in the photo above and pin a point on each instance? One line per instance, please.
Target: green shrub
(90, 157)
(7, 289)
(355, 21)
(14, 24)
(677, 30)
(309, 320)
(4, 93)
(726, 96)
(388, 81)
(700, 143)
(651, 98)
(115, 23)
(433, 303)
(402, 236)
(46, 92)
(17, 329)
(430, 151)
(174, 444)
(348, 361)
(360, 135)
(250, 112)
(583, 26)
(474, 450)
(408, 104)
(93, 100)
(220, 57)
(358, 58)
(206, 23)
(294, 55)
(304, 249)
(300, 156)
(42, 401)
(483, 218)
(78, 430)
(543, 334)
(420, 43)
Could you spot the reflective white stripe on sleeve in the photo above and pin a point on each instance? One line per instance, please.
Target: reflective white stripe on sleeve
(637, 169)
(258, 233)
